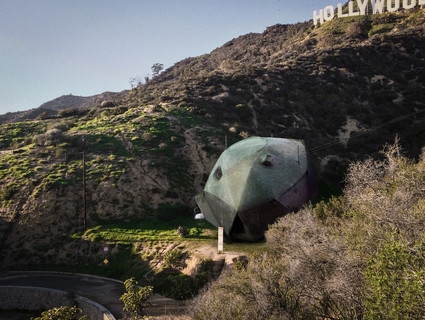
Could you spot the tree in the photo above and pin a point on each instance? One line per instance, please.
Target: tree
(43, 116)
(133, 82)
(156, 69)
(61, 313)
(136, 298)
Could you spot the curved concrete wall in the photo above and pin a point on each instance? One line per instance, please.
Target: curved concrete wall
(34, 298)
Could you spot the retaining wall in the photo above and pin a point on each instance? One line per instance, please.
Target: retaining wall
(34, 298)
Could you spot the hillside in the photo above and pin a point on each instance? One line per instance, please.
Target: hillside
(352, 75)
(53, 107)
(346, 88)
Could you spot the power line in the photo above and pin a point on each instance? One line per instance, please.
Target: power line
(361, 133)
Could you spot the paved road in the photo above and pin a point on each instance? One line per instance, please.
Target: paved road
(107, 292)
(102, 290)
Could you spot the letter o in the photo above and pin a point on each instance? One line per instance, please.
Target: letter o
(329, 13)
(392, 8)
(407, 5)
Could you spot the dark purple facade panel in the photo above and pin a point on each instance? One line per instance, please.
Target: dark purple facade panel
(251, 224)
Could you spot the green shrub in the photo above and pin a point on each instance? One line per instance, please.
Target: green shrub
(136, 298)
(60, 152)
(8, 192)
(173, 258)
(69, 112)
(240, 263)
(194, 232)
(395, 279)
(182, 232)
(178, 286)
(50, 138)
(204, 272)
(118, 110)
(61, 313)
(332, 208)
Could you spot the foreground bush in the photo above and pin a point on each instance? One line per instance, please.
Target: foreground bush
(358, 256)
(62, 313)
(136, 298)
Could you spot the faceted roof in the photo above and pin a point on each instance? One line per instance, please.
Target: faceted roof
(251, 172)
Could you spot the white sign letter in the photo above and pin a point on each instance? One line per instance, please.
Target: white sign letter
(340, 14)
(378, 6)
(392, 8)
(362, 6)
(329, 13)
(351, 10)
(406, 4)
(319, 16)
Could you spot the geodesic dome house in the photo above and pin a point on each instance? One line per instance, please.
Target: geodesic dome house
(255, 181)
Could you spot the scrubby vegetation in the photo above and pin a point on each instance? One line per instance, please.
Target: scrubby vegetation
(359, 256)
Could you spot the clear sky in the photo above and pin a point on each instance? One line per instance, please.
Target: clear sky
(49, 48)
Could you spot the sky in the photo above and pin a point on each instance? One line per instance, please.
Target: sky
(50, 48)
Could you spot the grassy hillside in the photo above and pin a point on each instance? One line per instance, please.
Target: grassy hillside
(346, 88)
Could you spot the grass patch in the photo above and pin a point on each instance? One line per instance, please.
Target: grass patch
(248, 248)
(381, 28)
(14, 133)
(102, 143)
(145, 230)
(154, 231)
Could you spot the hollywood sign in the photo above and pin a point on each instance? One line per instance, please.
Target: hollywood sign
(378, 6)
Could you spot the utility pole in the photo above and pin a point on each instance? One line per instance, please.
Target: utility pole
(298, 151)
(84, 189)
